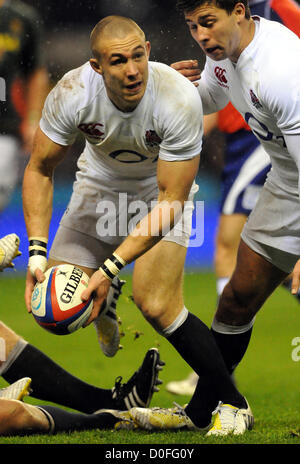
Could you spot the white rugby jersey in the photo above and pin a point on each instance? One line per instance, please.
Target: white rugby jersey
(264, 86)
(167, 123)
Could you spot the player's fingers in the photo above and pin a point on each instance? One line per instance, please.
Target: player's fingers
(39, 275)
(194, 77)
(185, 64)
(87, 294)
(28, 291)
(295, 278)
(95, 311)
(295, 282)
(28, 294)
(191, 75)
(98, 288)
(91, 288)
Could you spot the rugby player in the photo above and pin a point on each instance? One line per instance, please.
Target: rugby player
(246, 165)
(252, 62)
(143, 127)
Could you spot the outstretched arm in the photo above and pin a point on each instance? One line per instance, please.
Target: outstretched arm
(37, 200)
(175, 180)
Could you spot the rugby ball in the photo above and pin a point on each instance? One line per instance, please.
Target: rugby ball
(56, 303)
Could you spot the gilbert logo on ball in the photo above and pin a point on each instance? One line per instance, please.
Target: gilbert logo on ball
(56, 303)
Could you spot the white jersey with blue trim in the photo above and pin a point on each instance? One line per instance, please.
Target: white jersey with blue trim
(264, 86)
(167, 123)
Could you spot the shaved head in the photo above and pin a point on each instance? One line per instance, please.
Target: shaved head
(112, 27)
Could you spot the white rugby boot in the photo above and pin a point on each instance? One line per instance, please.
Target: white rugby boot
(17, 390)
(9, 250)
(231, 420)
(164, 419)
(106, 324)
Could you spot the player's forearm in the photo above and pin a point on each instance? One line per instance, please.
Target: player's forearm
(151, 229)
(37, 202)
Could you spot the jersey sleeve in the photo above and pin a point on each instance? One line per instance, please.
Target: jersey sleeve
(182, 127)
(59, 115)
(212, 95)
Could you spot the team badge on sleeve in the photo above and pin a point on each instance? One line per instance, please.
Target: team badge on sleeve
(152, 139)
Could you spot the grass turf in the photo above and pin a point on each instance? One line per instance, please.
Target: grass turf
(268, 375)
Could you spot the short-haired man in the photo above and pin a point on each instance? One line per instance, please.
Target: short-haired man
(245, 168)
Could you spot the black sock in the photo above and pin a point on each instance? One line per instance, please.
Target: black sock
(50, 382)
(194, 342)
(232, 346)
(65, 421)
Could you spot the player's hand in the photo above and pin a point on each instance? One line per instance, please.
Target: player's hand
(296, 278)
(189, 69)
(29, 286)
(98, 289)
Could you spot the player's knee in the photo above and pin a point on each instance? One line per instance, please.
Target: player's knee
(13, 416)
(226, 250)
(237, 305)
(151, 307)
(7, 334)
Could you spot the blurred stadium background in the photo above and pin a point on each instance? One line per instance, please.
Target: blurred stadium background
(67, 26)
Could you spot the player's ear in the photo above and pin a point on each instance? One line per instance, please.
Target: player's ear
(148, 48)
(239, 11)
(95, 65)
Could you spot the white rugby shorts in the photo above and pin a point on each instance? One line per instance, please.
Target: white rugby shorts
(98, 219)
(273, 228)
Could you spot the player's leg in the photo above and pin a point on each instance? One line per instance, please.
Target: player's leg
(158, 292)
(9, 340)
(50, 382)
(252, 282)
(227, 243)
(261, 267)
(244, 173)
(18, 418)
